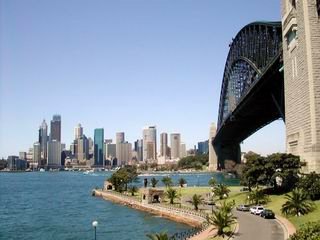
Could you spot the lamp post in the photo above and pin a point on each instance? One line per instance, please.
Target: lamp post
(94, 225)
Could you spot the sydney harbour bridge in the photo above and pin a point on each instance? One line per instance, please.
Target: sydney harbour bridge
(272, 72)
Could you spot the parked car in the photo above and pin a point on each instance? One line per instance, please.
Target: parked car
(259, 210)
(267, 213)
(253, 210)
(243, 207)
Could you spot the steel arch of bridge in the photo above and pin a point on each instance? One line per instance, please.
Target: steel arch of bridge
(252, 51)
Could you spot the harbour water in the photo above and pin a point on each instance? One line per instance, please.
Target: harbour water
(59, 205)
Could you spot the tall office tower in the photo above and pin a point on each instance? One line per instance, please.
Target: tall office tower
(91, 145)
(175, 142)
(149, 143)
(43, 140)
(301, 51)
(98, 147)
(23, 155)
(55, 128)
(163, 145)
(108, 141)
(111, 151)
(124, 153)
(36, 154)
(120, 137)
(183, 150)
(138, 148)
(203, 147)
(54, 154)
(213, 160)
(73, 148)
(30, 155)
(78, 131)
(82, 148)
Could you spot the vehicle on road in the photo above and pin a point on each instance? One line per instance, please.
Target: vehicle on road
(243, 207)
(253, 210)
(267, 213)
(259, 210)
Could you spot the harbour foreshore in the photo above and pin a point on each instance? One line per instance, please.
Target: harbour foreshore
(175, 214)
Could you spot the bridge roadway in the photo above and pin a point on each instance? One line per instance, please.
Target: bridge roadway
(253, 227)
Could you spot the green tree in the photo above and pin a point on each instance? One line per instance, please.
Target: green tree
(221, 191)
(212, 182)
(257, 196)
(196, 201)
(172, 194)
(158, 236)
(309, 231)
(297, 203)
(132, 190)
(222, 218)
(182, 181)
(154, 182)
(194, 162)
(167, 181)
(310, 183)
(121, 178)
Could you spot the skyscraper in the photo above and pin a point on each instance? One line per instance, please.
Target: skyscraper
(54, 154)
(55, 128)
(149, 143)
(213, 161)
(175, 142)
(82, 148)
(43, 140)
(203, 147)
(124, 153)
(163, 145)
(183, 150)
(98, 147)
(138, 147)
(78, 131)
(119, 137)
(36, 154)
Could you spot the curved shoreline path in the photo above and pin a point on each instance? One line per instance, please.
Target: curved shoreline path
(253, 227)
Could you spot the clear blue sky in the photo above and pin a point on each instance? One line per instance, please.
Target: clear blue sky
(121, 65)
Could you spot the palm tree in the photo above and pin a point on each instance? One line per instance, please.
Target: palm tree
(196, 201)
(132, 190)
(154, 182)
(212, 182)
(221, 190)
(297, 203)
(182, 181)
(158, 236)
(257, 196)
(167, 181)
(221, 219)
(172, 194)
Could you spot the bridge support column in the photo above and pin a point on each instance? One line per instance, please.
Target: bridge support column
(225, 152)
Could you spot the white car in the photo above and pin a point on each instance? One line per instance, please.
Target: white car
(259, 210)
(253, 210)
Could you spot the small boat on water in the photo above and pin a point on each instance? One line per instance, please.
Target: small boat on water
(42, 170)
(88, 171)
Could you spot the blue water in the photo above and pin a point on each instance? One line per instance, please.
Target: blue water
(59, 205)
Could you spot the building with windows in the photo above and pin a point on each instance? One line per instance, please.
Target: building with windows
(55, 128)
(203, 147)
(37, 154)
(43, 140)
(54, 154)
(98, 147)
(175, 143)
(78, 131)
(149, 135)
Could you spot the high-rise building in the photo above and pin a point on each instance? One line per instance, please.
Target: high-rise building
(36, 154)
(23, 155)
(82, 148)
(149, 143)
(164, 145)
(78, 131)
(175, 142)
(98, 147)
(43, 140)
(203, 147)
(183, 150)
(55, 128)
(138, 148)
(124, 153)
(54, 154)
(111, 151)
(213, 160)
(91, 146)
(120, 137)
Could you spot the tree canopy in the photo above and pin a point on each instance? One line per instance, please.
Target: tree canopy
(122, 177)
(195, 162)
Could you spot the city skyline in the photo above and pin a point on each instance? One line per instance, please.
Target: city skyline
(168, 50)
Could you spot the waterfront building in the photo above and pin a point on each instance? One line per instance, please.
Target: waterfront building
(43, 140)
(30, 155)
(203, 147)
(55, 128)
(54, 154)
(124, 153)
(23, 155)
(138, 147)
(213, 160)
(175, 142)
(183, 150)
(91, 146)
(120, 137)
(78, 131)
(149, 143)
(82, 148)
(111, 151)
(164, 145)
(16, 164)
(98, 147)
(36, 154)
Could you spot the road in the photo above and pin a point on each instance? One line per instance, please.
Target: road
(253, 227)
